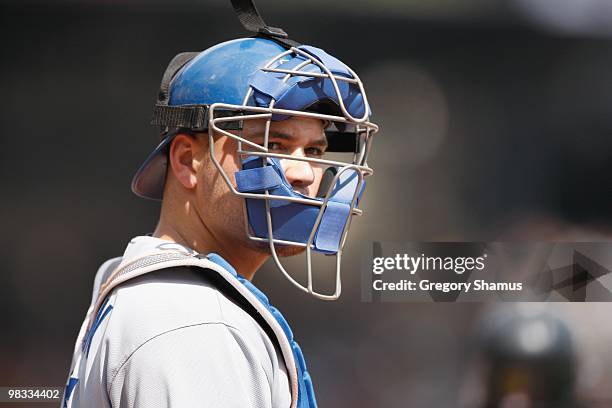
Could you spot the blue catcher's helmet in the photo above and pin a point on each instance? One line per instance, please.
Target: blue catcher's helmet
(254, 78)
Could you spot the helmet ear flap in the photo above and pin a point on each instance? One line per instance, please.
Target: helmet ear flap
(326, 181)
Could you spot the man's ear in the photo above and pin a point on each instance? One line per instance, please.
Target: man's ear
(183, 161)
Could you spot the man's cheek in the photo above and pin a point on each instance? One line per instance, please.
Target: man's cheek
(226, 151)
(230, 165)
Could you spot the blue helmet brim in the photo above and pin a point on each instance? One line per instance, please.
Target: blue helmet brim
(149, 180)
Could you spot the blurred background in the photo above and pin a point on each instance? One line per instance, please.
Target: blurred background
(496, 124)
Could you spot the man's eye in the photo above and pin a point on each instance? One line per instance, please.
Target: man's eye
(275, 146)
(314, 151)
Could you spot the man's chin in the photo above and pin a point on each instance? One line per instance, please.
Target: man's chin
(281, 250)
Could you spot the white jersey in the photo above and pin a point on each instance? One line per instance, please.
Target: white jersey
(171, 338)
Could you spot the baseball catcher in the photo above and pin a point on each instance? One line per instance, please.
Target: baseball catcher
(246, 170)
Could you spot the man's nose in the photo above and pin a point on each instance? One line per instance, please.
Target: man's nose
(298, 173)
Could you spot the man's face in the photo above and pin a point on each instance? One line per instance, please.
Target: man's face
(223, 211)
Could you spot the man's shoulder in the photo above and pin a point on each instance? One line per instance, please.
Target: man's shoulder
(176, 300)
(171, 298)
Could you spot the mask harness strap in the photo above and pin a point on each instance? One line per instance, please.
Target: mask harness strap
(168, 117)
(195, 118)
(252, 21)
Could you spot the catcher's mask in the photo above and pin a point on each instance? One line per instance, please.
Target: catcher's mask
(217, 90)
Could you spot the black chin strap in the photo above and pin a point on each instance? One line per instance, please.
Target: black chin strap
(252, 21)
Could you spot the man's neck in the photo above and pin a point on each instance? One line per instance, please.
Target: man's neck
(245, 260)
